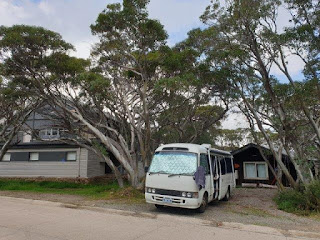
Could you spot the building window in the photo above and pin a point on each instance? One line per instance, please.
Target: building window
(27, 137)
(51, 133)
(71, 156)
(255, 170)
(6, 157)
(34, 157)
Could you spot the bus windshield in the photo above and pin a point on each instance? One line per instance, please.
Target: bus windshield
(174, 163)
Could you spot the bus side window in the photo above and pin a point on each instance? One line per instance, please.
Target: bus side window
(229, 165)
(204, 162)
(223, 166)
(213, 164)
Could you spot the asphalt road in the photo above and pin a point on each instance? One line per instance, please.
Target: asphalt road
(39, 220)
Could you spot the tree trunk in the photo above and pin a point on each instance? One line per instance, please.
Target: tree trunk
(270, 144)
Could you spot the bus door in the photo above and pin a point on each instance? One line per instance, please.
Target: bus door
(223, 179)
(204, 161)
(215, 175)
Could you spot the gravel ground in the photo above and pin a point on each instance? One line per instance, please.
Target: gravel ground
(247, 205)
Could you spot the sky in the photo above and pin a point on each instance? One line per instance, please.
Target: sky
(72, 19)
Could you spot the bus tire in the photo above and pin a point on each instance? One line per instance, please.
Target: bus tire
(204, 203)
(228, 195)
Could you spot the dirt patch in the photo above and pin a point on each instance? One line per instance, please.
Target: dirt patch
(247, 206)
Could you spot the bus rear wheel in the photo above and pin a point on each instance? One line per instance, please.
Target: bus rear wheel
(227, 196)
(204, 204)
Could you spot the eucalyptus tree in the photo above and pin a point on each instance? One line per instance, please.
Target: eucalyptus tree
(115, 103)
(16, 104)
(127, 56)
(159, 94)
(243, 43)
(192, 101)
(14, 111)
(36, 67)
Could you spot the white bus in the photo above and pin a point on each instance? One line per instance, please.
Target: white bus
(173, 176)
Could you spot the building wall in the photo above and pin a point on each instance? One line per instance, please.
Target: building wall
(96, 166)
(251, 155)
(51, 166)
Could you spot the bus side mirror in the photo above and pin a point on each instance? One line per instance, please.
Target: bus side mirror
(146, 169)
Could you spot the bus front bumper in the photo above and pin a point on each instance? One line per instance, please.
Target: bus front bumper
(173, 201)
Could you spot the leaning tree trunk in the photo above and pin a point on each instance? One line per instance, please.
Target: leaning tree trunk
(279, 182)
(269, 142)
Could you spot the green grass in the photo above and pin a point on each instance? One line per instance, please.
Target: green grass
(303, 202)
(104, 191)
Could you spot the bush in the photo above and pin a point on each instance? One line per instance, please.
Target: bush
(300, 202)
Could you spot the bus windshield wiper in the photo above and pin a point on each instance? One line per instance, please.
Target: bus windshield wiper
(180, 174)
(157, 172)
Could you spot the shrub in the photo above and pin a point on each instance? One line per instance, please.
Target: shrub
(300, 202)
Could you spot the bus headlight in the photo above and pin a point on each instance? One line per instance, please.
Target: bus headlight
(190, 194)
(153, 190)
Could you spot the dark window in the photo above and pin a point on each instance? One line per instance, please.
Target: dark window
(52, 156)
(19, 156)
(213, 163)
(229, 165)
(223, 166)
(204, 161)
(176, 148)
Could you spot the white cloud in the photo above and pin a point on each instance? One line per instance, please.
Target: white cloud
(235, 119)
(46, 8)
(294, 64)
(72, 18)
(9, 11)
(178, 16)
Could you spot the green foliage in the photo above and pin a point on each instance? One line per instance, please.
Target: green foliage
(32, 39)
(35, 58)
(303, 202)
(126, 29)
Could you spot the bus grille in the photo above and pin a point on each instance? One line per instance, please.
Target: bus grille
(168, 192)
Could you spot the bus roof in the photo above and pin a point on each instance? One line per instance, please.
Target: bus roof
(191, 148)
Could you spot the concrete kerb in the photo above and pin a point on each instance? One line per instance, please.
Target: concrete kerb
(169, 218)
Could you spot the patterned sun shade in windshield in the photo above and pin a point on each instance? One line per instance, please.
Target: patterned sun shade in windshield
(174, 163)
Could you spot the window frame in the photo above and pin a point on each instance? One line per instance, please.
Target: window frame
(73, 160)
(256, 171)
(48, 132)
(6, 154)
(33, 160)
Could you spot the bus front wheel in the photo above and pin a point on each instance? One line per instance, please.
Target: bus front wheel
(204, 204)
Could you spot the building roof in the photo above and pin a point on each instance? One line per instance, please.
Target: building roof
(253, 145)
